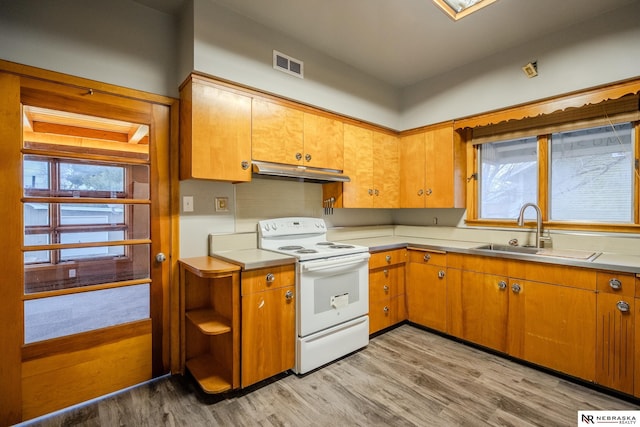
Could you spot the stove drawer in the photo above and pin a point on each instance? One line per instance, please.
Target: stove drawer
(267, 278)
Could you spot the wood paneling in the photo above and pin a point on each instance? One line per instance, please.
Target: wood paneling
(277, 133)
(66, 375)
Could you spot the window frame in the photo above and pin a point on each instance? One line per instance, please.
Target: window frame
(544, 192)
(55, 228)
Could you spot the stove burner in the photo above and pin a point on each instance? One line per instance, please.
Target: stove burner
(306, 251)
(325, 243)
(341, 247)
(289, 248)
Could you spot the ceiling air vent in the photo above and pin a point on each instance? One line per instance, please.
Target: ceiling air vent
(287, 64)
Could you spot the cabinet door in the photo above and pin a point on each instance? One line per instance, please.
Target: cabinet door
(215, 139)
(412, 171)
(358, 166)
(484, 309)
(386, 171)
(277, 133)
(268, 334)
(323, 142)
(439, 169)
(615, 341)
(558, 327)
(427, 295)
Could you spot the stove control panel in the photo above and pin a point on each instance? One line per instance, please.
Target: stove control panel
(291, 226)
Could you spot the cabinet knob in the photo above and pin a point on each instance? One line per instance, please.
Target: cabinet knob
(386, 288)
(376, 192)
(307, 157)
(245, 165)
(385, 309)
(388, 258)
(420, 192)
(385, 272)
(502, 284)
(428, 192)
(441, 274)
(615, 284)
(270, 278)
(371, 191)
(426, 257)
(516, 288)
(288, 296)
(298, 156)
(623, 306)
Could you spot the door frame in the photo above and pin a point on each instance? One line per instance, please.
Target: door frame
(164, 228)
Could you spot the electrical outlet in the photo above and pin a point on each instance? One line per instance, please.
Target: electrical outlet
(187, 204)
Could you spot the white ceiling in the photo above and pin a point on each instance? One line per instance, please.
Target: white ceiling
(402, 42)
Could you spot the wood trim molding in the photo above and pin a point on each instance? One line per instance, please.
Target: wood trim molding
(551, 105)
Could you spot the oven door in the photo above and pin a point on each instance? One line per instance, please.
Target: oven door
(332, 291)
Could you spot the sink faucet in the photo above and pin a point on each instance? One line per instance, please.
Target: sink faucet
(538, 221)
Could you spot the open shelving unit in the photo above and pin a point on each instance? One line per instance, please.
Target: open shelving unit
(210, 322)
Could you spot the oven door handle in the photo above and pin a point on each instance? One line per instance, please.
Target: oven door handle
(329, 264)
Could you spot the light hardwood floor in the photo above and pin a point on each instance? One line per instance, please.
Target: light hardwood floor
(405, 377)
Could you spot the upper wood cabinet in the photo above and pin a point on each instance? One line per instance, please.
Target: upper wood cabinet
(282, 134)
(432, 169)
(371, 162)
(215, 132)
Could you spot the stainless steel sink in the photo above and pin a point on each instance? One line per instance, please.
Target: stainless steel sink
(495, 247)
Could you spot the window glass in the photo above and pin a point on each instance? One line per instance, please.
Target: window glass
(64, 315)
(89, 177)
(508, 178)
(592, 174)
(35, 174)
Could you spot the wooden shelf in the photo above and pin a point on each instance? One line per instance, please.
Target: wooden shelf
(208, 321)
(208, 374)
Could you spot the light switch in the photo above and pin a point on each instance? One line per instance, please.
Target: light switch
(187, 204)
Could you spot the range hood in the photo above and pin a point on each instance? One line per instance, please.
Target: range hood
(298, 173)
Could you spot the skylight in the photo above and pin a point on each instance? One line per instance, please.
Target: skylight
(458, 9)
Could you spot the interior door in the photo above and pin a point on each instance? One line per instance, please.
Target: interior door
(94, 221)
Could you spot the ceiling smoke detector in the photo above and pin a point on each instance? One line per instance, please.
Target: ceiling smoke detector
(287, 64)
(531, 69)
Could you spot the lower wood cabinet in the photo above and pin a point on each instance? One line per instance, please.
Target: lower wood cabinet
(387, 289)
(427, 289)
(268, 323)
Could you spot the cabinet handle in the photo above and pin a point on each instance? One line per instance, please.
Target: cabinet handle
(426, 257)
(428, 192)
(516, 288)
(298, 156)
(502, 284)
(420, 192)
(388, 258)
(270, 278)
(288, 296)
(615, 284)
(307, 157)
(441, 274)
(386, 288)
(385, 309)
(244, 165)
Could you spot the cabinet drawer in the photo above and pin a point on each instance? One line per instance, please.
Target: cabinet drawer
(381, 259)
(428, 257)
(267, 278)
(386, 282)
(615, 283)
